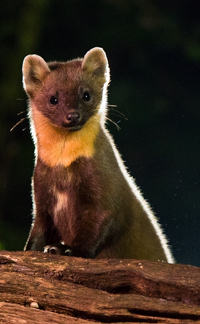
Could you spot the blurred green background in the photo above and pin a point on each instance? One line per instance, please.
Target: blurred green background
(153, 48)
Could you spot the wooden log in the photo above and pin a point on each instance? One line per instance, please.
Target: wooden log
(41, 288)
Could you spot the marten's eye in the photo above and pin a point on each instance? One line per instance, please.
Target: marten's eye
(53, 100)
(86, 96)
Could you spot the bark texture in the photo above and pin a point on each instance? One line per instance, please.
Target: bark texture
(42, 288)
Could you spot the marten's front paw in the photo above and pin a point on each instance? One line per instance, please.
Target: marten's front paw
(59, 248)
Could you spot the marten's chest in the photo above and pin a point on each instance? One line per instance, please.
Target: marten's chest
(62, 190)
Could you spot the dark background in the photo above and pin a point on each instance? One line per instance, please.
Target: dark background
(153, 50)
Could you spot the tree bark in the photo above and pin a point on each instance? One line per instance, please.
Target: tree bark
(41, 288)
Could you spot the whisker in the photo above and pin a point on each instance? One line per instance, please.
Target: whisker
(21, 112)
(120, 114)
(117, 126)
(19, 122)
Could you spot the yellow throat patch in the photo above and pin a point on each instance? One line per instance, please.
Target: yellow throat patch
(59, 147)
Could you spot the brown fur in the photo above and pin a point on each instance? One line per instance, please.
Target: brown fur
(82, 193)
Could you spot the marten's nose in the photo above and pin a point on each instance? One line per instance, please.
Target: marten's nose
(73, 118)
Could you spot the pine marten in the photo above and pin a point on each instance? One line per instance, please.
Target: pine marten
(85, 203)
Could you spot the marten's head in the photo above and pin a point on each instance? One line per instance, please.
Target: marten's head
(69, 93)
(67, 105)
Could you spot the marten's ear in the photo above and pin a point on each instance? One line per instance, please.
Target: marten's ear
(34, 70)
(95, 62)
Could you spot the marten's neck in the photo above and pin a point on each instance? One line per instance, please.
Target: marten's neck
(55, 146)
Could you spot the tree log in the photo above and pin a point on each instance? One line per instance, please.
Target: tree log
(41, 288)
